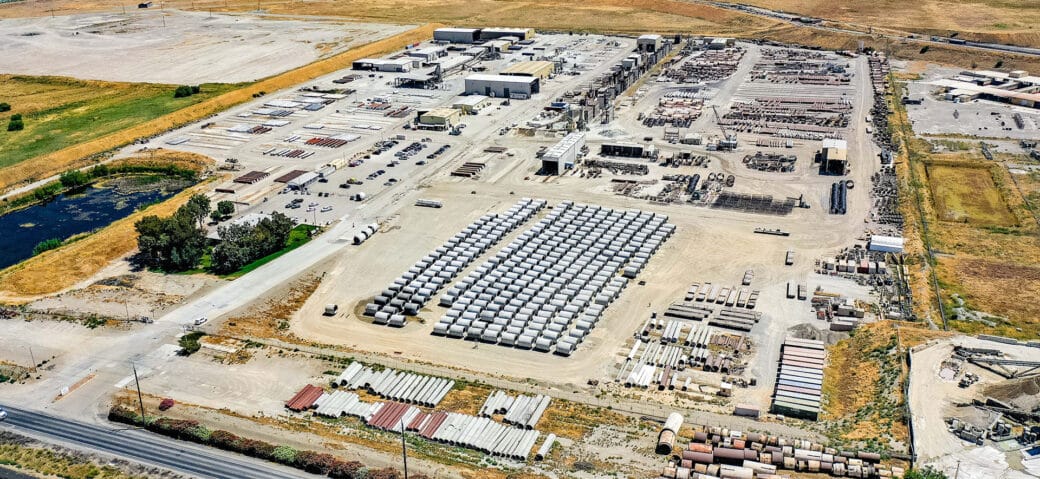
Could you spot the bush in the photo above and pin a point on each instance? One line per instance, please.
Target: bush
(16, 123)
(385, 473)
(182, 91)
(284, 454)
(347, 470)
(123, 415)
(925, 49)
(196, 89)
(46, 245)
(73, 178)
(166, 404)
(5, 107)
(315, 462)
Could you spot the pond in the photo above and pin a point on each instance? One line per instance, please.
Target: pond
(70, 214)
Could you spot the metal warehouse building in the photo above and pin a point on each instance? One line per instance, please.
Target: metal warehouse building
(493, 33)
(502, 86)
(562, 155)
(470, 105)
(650, 43)
(439, 119)
(539, 69)
(457, 35)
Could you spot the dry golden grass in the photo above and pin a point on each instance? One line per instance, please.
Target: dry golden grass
(863, 381)
(79, 155)
(271, 319)
(967, 194)
(1003, 21)
(573, 420)
(61, 268)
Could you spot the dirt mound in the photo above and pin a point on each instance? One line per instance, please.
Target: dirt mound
(1011, 390)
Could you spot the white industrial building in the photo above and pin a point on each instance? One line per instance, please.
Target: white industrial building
(471, 104)
(428, 54)
(562, 155)
(502, 86)
(456, 35)
(650, 43)
(886, 244)
(248, 219)
(384, 64)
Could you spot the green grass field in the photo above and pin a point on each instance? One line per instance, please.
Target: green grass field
(59, 112)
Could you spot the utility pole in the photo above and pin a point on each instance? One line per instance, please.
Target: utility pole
(140, 398)
(404, 450)
(33, 358)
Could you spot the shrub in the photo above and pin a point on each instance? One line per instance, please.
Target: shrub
(16, 123)
(5, 107)
(385, 473)
(46, 245)
(123, 415)
(315, 462)
(190, 343)
(73, 178)
(346, 470)
(284, 454)
(182, 91)
(166, 404)
(925, 49)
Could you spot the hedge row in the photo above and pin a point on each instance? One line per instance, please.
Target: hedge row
(310, 461)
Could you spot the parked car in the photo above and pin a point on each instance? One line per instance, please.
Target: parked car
(3, 414)
(200, 321)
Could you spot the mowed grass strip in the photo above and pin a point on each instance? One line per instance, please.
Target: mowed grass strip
(968, 195)
(59, 112)
(79, 154)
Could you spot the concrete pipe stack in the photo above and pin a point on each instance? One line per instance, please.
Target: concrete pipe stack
(413, 289)
(666, 438)
(722, 453)
(366, 232)
(549, 287)
(397, 385)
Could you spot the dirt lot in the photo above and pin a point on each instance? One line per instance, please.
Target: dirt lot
(175, 47)
(932, 399)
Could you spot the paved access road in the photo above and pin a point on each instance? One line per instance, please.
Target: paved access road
(147, 448)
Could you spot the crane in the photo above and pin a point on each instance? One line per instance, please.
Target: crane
(729, 140)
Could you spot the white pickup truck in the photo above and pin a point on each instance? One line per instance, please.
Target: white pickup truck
(3, 414)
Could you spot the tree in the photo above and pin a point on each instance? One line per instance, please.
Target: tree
(176, 243)
(225, 208)
(182, 91)
(5, 107)
(189, 343)
(216, 216)
(73, 178)
(46, 245)
(16, 123)
(197, 208)
(242, 244)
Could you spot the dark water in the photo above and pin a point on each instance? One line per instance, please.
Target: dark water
(65, 216)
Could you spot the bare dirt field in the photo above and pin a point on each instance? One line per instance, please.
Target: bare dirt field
(175, 47)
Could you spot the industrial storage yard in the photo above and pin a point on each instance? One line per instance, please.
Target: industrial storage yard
(542, 254)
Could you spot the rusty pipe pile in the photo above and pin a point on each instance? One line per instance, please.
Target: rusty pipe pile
(770, 162)
(719, 452)
(619, 168)
(705, 66)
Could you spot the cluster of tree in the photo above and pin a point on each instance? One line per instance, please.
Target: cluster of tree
(185, 91)
(242, 244)
(16, 123)
(74, 178)
(176, 243)
(189, 343)
(310, 461)
(224, 211)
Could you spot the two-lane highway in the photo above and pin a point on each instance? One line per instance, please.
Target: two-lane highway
(147, 448)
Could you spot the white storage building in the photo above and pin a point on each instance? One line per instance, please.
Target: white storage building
(887, 244)
(562, 155)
